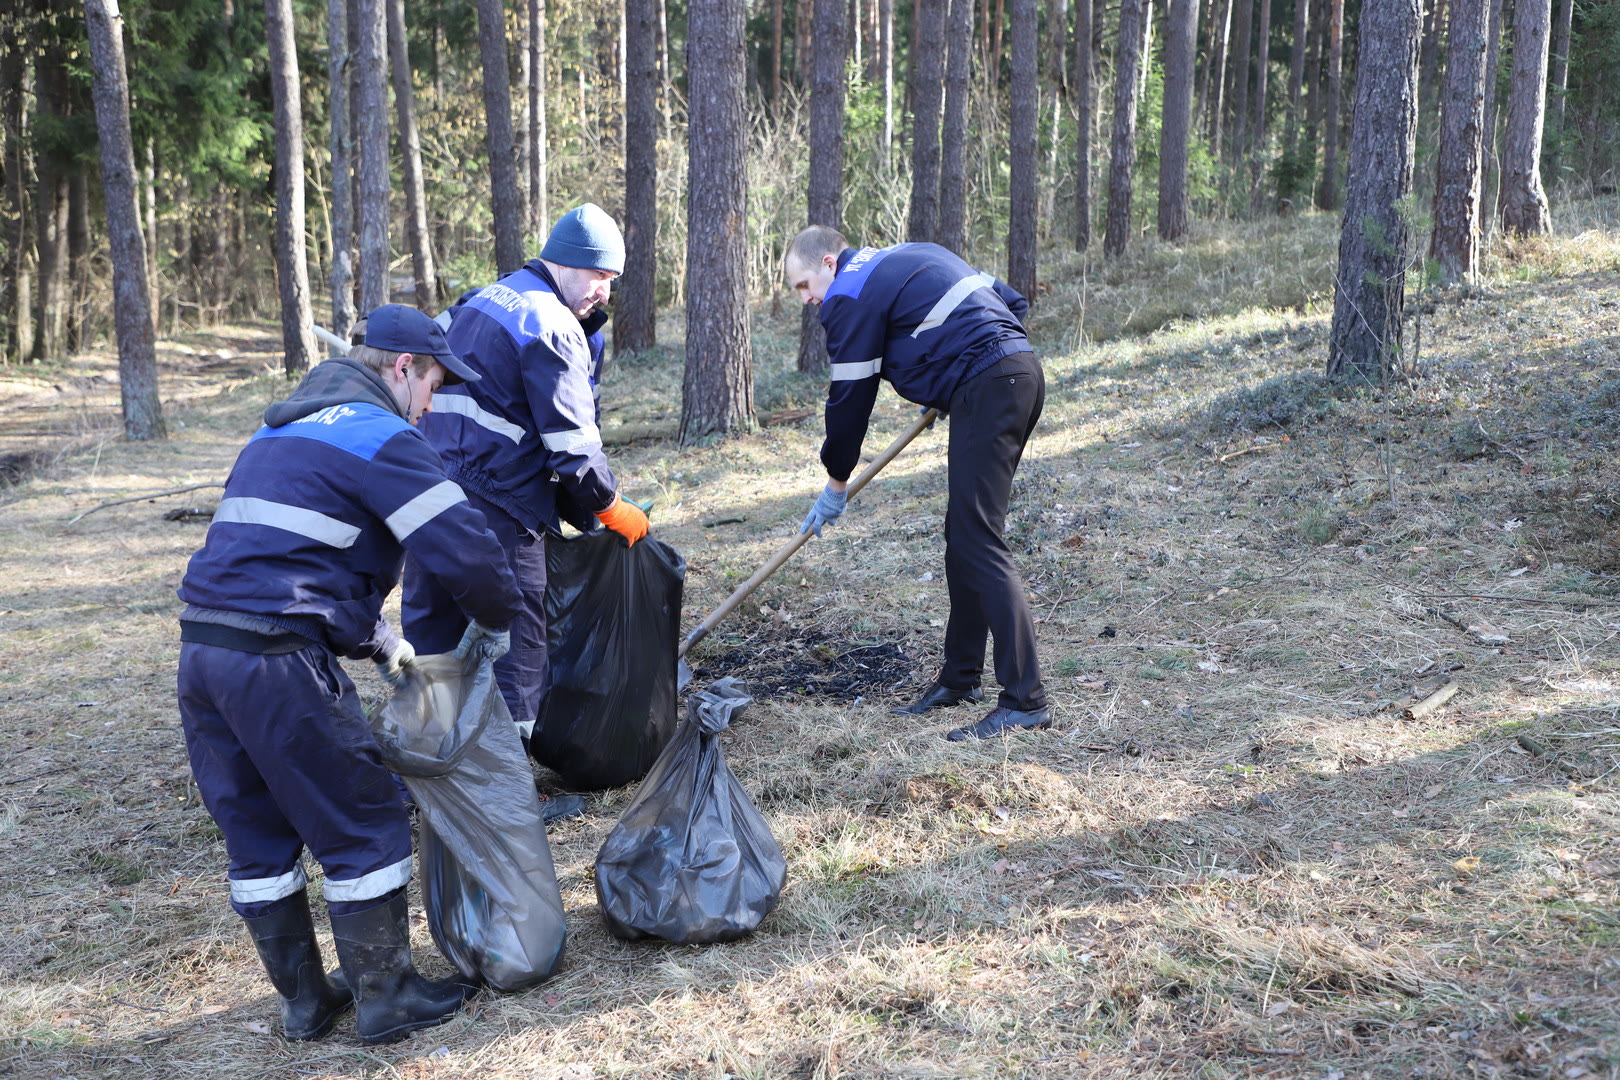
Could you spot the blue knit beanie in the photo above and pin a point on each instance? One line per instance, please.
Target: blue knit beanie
(586, 239)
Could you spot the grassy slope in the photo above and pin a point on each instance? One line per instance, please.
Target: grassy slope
(1226, 860)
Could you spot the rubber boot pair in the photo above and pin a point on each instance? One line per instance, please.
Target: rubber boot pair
(374, 947)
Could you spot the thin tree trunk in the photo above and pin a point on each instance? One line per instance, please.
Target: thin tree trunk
(1491, 191)
(1329, 197)
(153, 250)
(776, 54)
(1222, 47)
(1024, 160)
(717, 392)
(1257, 138)
(1237, 68)
(1122, 147)
(292, 271)
(132, 314)
(497, 85)
(50, 205)
(339, 73)
(523, 132)
(1563, 25)
(16, 80)
(927, 87)
(1084, 107)
(1296, 73)
(993, 68)
(953, 138)
(1524, 203)
(535, 166)
(371, 131)
(1429, 53)
(410, 147)
(1454, 244)
(635, 307)
(1369, 294)
(886, 18)
(78, 258)
(825, 201)
(1180, 42)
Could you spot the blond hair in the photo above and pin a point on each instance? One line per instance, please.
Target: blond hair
(812, 244)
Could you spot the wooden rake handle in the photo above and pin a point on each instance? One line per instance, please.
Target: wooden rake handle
(702, 629)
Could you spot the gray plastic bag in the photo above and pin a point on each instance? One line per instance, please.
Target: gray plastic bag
(488, 883)
(691, 860)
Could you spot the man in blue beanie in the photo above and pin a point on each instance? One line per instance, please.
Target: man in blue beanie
(524, 442)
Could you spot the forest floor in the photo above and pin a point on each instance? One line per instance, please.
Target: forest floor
(1233, 855)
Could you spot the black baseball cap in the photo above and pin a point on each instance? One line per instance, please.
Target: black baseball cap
(397, 328)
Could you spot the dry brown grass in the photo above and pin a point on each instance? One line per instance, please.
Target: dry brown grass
(1231, 857)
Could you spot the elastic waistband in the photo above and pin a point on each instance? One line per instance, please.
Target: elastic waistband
(995, 354)
(248, 641)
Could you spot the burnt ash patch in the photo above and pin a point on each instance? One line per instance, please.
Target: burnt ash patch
(774, 664)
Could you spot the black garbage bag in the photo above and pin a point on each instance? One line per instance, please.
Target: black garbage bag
(488, 883)
(613, 618)
(691, 860)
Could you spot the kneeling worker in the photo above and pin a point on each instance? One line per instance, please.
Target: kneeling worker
(308, 540)
(950, 338)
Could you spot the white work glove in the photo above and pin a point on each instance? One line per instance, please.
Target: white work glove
(491, 644)
(828, 508)
(397, 665)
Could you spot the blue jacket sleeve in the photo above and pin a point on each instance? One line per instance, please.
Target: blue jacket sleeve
(856, 336)
(557, 381)
(1013, 299)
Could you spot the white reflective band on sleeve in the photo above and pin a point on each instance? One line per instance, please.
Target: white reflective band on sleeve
(953, 299)
(863, 369)
(572, 442)
(260, 890)
(525, 728)
(424, 508)
(294, 519)
(369, 886)
(462, 405)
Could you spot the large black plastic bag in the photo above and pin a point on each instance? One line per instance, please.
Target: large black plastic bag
(691, 860)
(613, 618)
(487, 880)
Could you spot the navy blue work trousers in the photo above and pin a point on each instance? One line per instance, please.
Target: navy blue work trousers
(285, 760)
(991, 419)
(433, 622)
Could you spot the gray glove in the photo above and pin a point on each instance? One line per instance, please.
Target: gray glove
(397, 665)
(491, 644)
(828, 508)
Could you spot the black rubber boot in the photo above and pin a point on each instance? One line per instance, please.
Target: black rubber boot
(310, 1001)
(390, 999)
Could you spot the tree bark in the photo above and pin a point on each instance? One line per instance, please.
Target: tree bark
(1023, 159)
(927, 74)
(535, 166)
(953, 139)
(1262, 49)
(1563, 25)
(79, 257)
(339, 74)
(292, 270)
(717, 392)
(1237, 67)
(50, 208)
(16, 86)
(635, 307)
(1489, 196)
(776, 54)
(825, 203)
(1296, 72)
(1084, 107)
(1369, 292)
(1180, 42)
(1524, 203)
(886, 21)
(1122, 147)
(132, 312)
(371, 131)
(1429, 54)
(1221, 45)
(1454, 244)
(1329, 195)
(506, 206)
(410, 147)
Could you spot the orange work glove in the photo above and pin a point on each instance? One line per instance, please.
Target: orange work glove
(626, 519)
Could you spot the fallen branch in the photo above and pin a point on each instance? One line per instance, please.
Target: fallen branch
(1274, 1053)
(1550, 758)
(1420, 709)
(143, 498)
(1224, 458)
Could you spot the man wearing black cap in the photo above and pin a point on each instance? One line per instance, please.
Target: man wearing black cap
(308, 540)
(524, 441)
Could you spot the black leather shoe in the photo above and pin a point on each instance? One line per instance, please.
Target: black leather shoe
(938, 697)
(310, 999)
(1001, 721)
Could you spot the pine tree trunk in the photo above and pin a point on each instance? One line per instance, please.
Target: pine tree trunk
(535, 165)
(1057, 27)
(1084, 108)
(1454, 245)
(371, 137)
(1296, 77)
(410, 150)
(886, 18)
(776, 55)
(1221, 45)
(132, 313)
(717, 393)
(497, 83)
(1524, 203)
(953, 138)
(1122, 147)
(1563, 25)
(78, 257)
(927, 87)
(1257, 136)
(1370, 288)
(292, 270)
(635, 305)
(50, 213)
(1237, 67)
(825, 203)
(339, 75)
(1180, 42)
(153, 249)
(16, 83)
(1023, 160)
(1492, 187)
(1329, 196)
